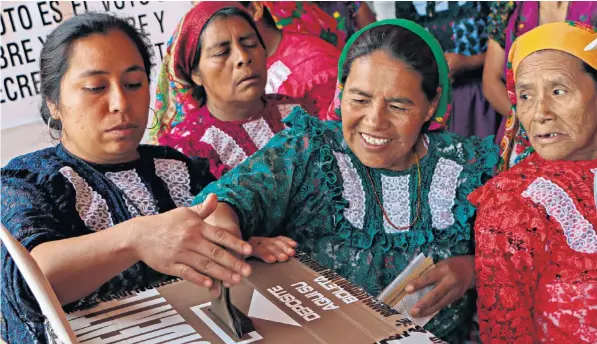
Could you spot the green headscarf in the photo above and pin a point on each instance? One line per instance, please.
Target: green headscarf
(442, 113)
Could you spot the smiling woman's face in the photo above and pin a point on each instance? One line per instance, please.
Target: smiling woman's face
(557, 105)
(383, 110)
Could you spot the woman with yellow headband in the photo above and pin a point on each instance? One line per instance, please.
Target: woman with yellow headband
(536, 246)
(366, 195)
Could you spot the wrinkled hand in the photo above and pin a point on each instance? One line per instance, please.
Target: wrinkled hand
(452, 278)
(180, 243)
(271, 250)
(456, 64)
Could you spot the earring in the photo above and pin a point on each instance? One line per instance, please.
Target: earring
(50, 129)
(155, 118)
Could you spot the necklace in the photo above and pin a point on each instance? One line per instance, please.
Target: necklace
(385, 214)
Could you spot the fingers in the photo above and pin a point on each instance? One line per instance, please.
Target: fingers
(208, 267)
(277, 248)
(446, 284)
(430, 299)
(222, 257)
(187, 273)
(226, 239)
(429, 309)
(264, 254)
(285, 244)
(215, 290)
(271, 250)
(429, 278)
(205, 208)
(288, 241)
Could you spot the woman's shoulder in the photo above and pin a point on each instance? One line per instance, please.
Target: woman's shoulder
(509, 185)
(306, 131)
(34, 175)
(303, 124)
(465, 150)
(44, 162)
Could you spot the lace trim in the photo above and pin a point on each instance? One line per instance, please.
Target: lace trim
(396, 200)
(442, 192)
(277, 73)
(259, 131)
(136, 192)
(313, 128)
(176, 175)
(353, 191)
(92, 208)
(478, 162)
(579, 232)
(229, 151)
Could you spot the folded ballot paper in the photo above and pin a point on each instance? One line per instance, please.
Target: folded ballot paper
(297, 301)
(395, 296)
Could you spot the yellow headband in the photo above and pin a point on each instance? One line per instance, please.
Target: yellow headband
(576, 39)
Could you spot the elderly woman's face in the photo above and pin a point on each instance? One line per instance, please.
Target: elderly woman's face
(104, 99)
(232, 65)
(383, 110)
(557, 105)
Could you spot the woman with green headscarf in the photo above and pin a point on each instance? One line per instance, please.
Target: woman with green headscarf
(366, 195)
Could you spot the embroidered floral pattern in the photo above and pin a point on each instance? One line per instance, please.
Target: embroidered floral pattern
(579, 232)
(259, 132)
(560, 307)
(92, 208)
(277, 73)
(442, 192)
(396, 201)
(229, 151)
(353, 191)
(535, 275)
(135, 191)
(175, 174)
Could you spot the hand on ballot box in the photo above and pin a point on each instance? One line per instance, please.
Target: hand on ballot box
(271, 250)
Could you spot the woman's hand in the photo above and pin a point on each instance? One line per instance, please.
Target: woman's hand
(452, 278)
(271, 250)
(180, 243)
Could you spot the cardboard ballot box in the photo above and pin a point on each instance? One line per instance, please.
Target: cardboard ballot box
(297, 301)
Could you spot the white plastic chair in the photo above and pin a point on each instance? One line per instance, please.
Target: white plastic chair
(39, 285)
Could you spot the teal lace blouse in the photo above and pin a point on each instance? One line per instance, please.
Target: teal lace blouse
(308, 185)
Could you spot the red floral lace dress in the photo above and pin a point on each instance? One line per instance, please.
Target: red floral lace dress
(536, 253)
